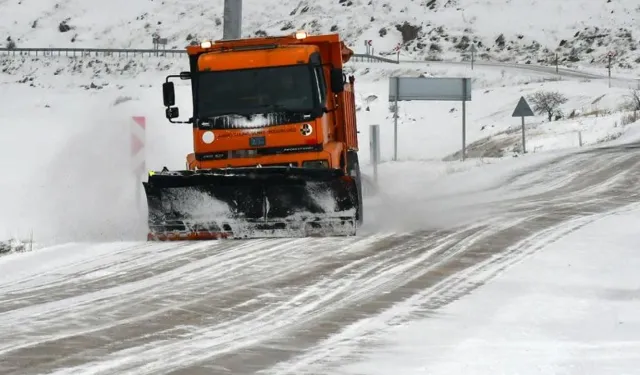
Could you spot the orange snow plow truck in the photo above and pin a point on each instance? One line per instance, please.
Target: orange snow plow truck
(274, 143)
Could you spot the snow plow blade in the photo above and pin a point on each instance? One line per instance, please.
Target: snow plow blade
(250, 203)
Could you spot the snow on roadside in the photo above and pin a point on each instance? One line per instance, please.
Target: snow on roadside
(433, 130)
(65, 158)
(435, 194)
(531, 319)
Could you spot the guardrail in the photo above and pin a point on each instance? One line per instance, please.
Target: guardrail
(122, 52)
(82, 52)
(362, 57)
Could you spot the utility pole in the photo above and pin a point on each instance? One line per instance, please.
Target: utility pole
(232, 27)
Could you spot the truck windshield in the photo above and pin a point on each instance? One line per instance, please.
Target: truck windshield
(288, 89)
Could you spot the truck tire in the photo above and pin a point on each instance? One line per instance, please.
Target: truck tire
(353, 168)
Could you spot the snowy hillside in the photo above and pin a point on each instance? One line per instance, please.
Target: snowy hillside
(517, 30)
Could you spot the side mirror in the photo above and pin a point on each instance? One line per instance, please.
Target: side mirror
(172, 112)
(337, 80)
(168, 94)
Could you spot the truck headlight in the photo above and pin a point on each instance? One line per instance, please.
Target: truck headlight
(315, 164)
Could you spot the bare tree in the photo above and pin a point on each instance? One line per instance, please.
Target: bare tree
(631, 104)
(547, 102)
(634, 100)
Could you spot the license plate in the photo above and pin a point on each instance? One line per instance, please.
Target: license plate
(257, 141)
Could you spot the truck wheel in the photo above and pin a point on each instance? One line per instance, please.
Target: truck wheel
(353, 168)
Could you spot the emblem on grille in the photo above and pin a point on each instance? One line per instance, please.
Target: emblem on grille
(306, 129)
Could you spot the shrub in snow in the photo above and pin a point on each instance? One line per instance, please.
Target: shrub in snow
(409, 32)
(11, 44)
(11, 246)
(634, 100)
(630, 118)
(63, 27)
(287, 26)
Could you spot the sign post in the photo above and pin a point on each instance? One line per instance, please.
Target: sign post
(368, 45)
(522, 110)
(429, 89)
(374, 149)
(610, 56)
(473, 51)
(157, 42)
(395, 119)
(464, 119)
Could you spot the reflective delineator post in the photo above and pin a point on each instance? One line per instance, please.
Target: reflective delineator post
(374, 149)
(138, 152)
(138, 137)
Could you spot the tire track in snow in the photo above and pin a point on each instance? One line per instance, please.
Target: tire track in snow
(305, 304)
(173, 307)
(119, 267)
(409, 255)
(127, 299)
(481, 262)
(462, 276)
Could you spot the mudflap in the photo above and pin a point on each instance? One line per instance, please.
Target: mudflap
(250, 203)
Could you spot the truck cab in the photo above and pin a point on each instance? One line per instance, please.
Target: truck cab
(269, 101)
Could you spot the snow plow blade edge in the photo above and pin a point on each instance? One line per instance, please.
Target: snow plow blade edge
(250, 203)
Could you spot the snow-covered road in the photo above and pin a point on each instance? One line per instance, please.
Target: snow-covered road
(285, 306)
